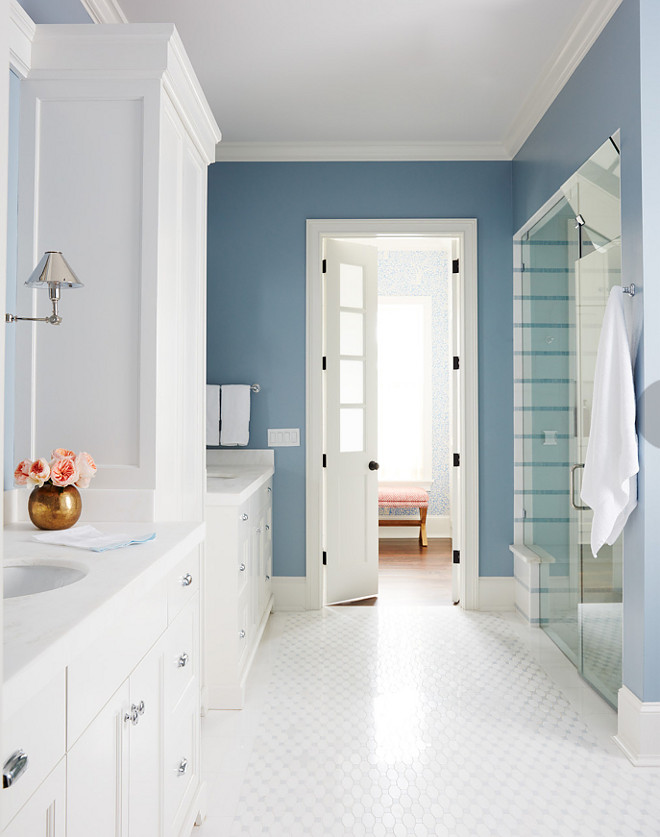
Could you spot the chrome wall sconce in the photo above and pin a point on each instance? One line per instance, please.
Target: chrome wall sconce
(53, 273)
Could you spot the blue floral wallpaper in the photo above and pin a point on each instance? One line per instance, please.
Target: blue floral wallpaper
(427, 273)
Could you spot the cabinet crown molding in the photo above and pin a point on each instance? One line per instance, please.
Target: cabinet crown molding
(149, 51)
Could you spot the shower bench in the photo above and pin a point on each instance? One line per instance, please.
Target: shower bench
(405, 498)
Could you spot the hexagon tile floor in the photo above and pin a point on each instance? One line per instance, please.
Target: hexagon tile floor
(419, 721)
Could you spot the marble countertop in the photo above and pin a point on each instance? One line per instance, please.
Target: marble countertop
(232, 484)
(42, 632)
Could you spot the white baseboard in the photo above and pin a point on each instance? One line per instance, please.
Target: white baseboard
(290, 593)
(639, 729)
(497, 593)
(437, 526)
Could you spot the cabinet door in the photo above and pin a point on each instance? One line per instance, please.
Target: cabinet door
(97, 773)
(145, 750)
(44, 814)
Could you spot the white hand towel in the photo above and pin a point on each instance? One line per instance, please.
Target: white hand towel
(87, 537)
(609, 485)
(235, 414)
(212, 414)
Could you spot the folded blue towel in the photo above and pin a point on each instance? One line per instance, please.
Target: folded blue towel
(87, 537)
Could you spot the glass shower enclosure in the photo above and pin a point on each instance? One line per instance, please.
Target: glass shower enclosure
(570, 259)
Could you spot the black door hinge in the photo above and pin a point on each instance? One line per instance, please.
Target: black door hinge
(455, 266)
(325, 559)
(457, 556)
(324, 364)
(325, 461)
(457, 363)
(457, 460)
(324, 266)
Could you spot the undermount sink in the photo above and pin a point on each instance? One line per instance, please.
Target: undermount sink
(26, 579)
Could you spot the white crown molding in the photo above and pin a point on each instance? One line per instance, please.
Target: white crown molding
(279, 152)
(21, 35)
(104, 11)
(557, 71)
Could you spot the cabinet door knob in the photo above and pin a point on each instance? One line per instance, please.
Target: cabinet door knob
(183, 767)
(267, 578)
(186, 581)
(242, 568)
(241, 634)
(15, 765)
(183, 660)
(140, 708)
(268, 527)
(244, 516)
(132, 716)
(270, 490)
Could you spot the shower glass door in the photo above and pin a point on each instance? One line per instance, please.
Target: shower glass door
(571, 258)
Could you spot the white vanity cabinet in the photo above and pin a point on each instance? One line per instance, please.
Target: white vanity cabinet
(114, 740)
(135, 769)
(238, 595)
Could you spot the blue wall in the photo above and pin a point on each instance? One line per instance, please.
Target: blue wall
(604, 94)
(56, 11)
(256, 307)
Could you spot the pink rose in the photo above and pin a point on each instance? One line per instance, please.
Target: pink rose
(63, 472)
(61, 453)
(39, 472)
(86, 468)
(22, 472)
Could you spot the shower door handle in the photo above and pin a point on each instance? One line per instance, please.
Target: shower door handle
(571, 488)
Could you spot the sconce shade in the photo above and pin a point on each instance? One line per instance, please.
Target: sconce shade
(53, 271)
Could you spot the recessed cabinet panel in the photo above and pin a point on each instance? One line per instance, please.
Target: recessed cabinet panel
(44, 816)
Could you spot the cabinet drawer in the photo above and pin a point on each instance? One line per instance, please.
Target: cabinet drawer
(92, 678)
(43, 816)
(182, 584)
(38, 729)
(181, 652)
(182, 760)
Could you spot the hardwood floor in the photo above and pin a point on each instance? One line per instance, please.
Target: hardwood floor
(412, 575)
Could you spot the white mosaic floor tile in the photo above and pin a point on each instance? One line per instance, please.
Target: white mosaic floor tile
(415, 722)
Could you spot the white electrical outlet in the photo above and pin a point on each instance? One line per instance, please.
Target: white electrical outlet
(283, 437)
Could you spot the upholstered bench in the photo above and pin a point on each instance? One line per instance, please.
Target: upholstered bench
(405, 498)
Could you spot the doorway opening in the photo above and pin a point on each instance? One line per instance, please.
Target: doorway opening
(426, 418)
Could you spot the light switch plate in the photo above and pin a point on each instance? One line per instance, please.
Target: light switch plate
(283, 437)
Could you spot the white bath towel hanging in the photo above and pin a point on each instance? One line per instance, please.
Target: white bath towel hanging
(609, 485)
(212, 414)
(234, 414)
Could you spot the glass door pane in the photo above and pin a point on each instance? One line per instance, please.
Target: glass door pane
(572, 258)
(549, 254)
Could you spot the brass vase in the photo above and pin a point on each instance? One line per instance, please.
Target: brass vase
(52, 507)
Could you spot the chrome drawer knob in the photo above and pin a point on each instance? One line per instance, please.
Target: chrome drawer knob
(244, 516)
(15, 765)
(183, 767)
(186, 581)
(268, 527)
(270, 490)
(133, 716)
(140, 708)
(242, 634)
(267, 578)
(242, 568)
(183, 660)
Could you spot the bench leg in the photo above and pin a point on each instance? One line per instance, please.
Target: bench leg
(422, 526)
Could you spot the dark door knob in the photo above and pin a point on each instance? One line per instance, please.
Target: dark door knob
(373, 466)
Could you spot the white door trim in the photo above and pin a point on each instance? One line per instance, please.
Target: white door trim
(465, 229)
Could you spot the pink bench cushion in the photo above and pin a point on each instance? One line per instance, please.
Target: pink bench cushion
(403, 498)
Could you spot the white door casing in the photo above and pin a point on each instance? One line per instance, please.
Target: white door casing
(351, 398)
(455, 389)
(466, 529)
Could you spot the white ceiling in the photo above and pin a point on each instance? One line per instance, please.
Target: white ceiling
(426, 79)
